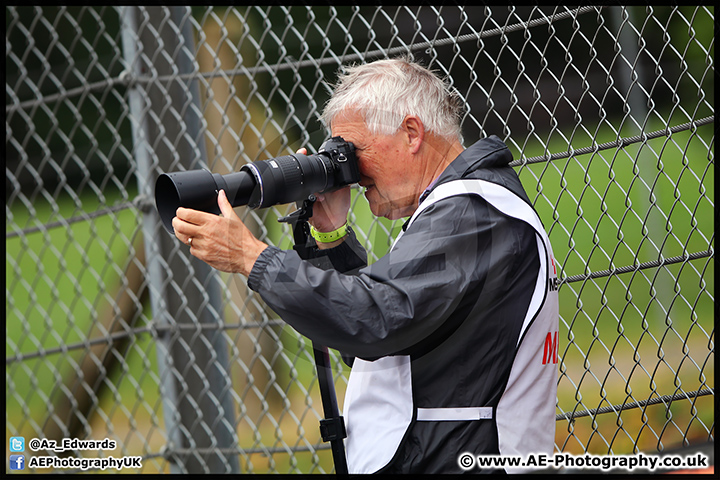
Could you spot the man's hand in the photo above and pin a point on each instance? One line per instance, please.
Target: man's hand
(223, 242)
(330, 212)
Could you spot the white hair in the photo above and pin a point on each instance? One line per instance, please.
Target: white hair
(384, 92)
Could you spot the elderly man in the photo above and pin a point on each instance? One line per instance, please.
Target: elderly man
(453, 333)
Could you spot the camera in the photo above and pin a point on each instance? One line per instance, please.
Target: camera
(260, 184)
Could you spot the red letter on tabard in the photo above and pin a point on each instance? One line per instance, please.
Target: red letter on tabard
(551, 348)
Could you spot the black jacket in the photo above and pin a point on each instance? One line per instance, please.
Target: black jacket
(439, 320)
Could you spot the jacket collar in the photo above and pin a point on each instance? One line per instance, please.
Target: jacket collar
(490, 152)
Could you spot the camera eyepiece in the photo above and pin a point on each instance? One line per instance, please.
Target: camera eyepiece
(259, 184)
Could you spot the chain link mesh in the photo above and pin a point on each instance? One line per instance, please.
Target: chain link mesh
(610, 116)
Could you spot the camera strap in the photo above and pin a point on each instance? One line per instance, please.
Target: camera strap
(332, 427)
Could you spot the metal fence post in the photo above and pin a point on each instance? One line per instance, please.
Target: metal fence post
(185, 292)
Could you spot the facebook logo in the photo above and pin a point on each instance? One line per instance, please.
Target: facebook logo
(17, 462)
(17, 444)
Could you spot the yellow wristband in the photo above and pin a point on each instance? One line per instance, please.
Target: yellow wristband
(328, 237)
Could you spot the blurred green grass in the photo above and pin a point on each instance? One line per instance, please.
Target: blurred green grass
(622, 335)
(641, 334)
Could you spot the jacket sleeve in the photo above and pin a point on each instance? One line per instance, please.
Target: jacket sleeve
(403, 298)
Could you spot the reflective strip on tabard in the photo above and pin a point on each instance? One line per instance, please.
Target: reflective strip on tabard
(460, 414)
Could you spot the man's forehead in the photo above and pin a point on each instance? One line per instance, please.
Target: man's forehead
(349, 123)
(350, 116)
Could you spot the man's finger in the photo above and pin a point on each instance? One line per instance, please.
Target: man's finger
(183, 229)
(189, 215)
(225, 208)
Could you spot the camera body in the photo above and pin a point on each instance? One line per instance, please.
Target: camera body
(342, 156)
(260, 184)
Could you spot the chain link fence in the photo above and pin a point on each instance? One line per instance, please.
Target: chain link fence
(114, 331)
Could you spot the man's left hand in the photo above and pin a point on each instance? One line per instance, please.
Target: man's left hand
(223, 242)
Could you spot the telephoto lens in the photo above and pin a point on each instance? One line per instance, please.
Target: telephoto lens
(261, 184)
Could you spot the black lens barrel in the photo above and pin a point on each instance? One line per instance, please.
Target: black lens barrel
(288, 178)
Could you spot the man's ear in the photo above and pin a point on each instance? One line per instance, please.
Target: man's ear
(414, 132)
